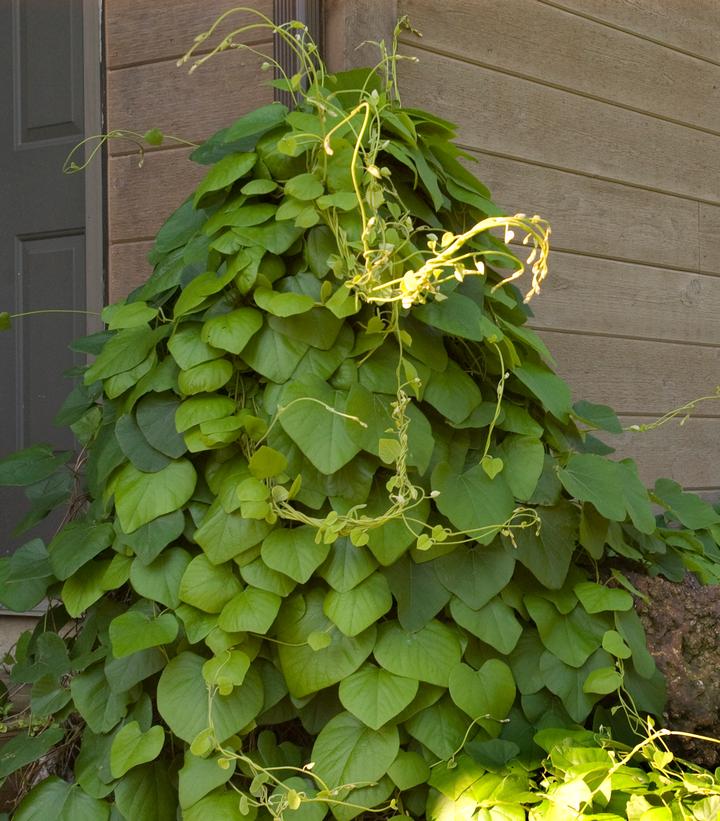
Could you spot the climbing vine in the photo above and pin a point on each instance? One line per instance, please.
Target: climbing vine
(339, 542)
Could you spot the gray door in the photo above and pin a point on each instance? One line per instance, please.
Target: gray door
(42, 222)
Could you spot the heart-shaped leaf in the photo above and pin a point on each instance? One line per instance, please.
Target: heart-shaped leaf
(486, 695)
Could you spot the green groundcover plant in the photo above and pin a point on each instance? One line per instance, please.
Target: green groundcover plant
(338, 542)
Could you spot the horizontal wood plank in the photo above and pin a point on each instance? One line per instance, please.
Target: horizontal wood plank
(606, 297)
(674, 451)
(602, 218)
(558, 48)
(521, 119)
(141, 199)
(190, 106)
(129, 266)
(690, 25)
(636, 376)
(148, 32)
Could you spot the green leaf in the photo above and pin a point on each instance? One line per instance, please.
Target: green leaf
(408, 770)
(207, 586)
(142, 497)
(304, 187)
(177, 230)
(486, 695)
(276, 236)
(347, 752)
(124, 673)
(132, 747)
(188, 347)
(232, 331)
(55, 799)
(182, 700)
(206, 377)
(252, 610)
(595, 479)
(524, 662)
(573, 638)
(346, 565)
(453, 393)
(258, 574)
(549, 388)
(26, 467)
(149, 540)
(495, 623)
(457, 315)
(146, 794)
(76, 544)
(5, 321)
(312, 415)
(199, 776)
(93, 579)
(127, 315)
(477, 505)
(282, 304)
(307, 670)
(426, 655)
(160, 580)
(356, 609)
(293, 551)
(523, 457)
(440, 727)
(690, 510)
(224, 536)
(604, 680)
(136, 447)
(630, 628)
(548, 554)
(417, 589)
(476, 575)
(375, 696)
(274, 355)
(199, 289)
(24, 749)
(153, 412)
(568, 682)
(25, 576)
(224, 173)
(125, 350)
(600, 417)
(101, 708)
(596, 598)
(242, 135)
(134, 630)
(614, 644)
(198, 409)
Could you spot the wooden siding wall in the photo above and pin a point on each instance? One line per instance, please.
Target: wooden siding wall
(604, 117)
(146, 89)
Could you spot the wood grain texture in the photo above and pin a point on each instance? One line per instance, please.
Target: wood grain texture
(524, 120)
(141, 199)
(599, 217)
(679, 452)
(709, 237)
(349, 24)
(191, 106)
(635, 376)
(607, 297)
(689, 25)
(550, 45)
(129, 266)
(141, 32)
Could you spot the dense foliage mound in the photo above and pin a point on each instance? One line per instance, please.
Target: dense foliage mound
(339, 539)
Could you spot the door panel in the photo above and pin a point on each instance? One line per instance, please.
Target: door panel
(42, 218)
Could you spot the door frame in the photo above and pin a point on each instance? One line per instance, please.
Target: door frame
(95, 200)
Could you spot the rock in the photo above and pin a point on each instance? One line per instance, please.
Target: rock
(682, 623)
